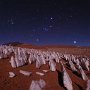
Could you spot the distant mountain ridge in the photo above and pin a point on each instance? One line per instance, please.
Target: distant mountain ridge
(13, 43)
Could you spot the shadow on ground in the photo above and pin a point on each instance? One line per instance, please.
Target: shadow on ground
(60, 79)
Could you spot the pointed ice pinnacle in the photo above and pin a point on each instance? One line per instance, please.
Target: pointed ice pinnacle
(37, 85)
(13, 63)
(52, 65)
(42, 83)
(85, 63)
(84, 77)
(72, 66)
(88, 85)
(66, 79)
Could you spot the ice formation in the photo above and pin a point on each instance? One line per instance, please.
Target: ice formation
(52, 65)
(84, 76)
(26, 73)
(22, 56)
(72, 66)
(88, 85)
(39, 73)
(37, 85)
(13, 63)
(66, 79)
(45, 71)
(11, 74)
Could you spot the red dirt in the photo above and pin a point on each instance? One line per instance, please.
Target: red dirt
(21, 82)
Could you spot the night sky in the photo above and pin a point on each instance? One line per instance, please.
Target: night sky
(45, 21)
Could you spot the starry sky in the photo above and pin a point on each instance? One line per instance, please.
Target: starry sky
(45, 21)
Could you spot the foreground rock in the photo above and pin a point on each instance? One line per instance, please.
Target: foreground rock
(11, 74)
(37, 85)
(88, 85)
(26, 73)
(66, 79)
(84, 76)
(39, 73)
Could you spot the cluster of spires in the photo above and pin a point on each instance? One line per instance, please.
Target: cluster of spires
(22, 56)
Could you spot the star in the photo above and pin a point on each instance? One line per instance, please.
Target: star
(74, 42)
(45, 29)
(50, 26)
(10, 21)
(51, 18)
(70, 16)
(37, 40)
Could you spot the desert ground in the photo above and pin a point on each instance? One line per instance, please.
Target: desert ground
(53, 79)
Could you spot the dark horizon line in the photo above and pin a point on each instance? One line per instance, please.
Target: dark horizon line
(44, 44)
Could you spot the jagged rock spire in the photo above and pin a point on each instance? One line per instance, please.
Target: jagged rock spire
(66, 79)
(84, 76)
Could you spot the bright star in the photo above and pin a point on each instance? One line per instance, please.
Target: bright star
(74, 42)
(51, 18)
